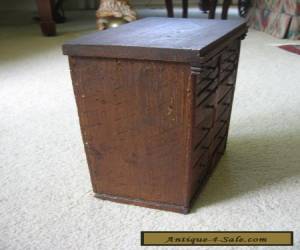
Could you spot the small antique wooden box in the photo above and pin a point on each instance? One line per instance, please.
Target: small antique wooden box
(154, 100)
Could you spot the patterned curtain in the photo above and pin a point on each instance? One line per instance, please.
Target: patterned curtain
(280, 18)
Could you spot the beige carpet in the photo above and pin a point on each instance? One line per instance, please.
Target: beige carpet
(46, 202)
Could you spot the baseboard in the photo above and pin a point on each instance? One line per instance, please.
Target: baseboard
(143, 203)
(88, 4)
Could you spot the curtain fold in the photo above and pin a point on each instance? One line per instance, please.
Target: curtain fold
(276, 17)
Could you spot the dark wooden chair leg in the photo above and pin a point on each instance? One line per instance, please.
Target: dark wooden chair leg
(212, 9)
(185, 7)
(45, 10)
(225, 8)
(204, 5)
(169, 6)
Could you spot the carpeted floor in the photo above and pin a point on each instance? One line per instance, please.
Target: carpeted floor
(46, 202)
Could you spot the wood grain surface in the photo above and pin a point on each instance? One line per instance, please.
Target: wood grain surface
(162, 39)
(154, 130)
(133, 121)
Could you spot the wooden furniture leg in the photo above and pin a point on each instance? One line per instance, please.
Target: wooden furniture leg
(45, 10)
(169, 6)
(226, 4)
(185, 6)
(212, 9)
(204, 5)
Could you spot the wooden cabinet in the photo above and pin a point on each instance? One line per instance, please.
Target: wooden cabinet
(154, 100)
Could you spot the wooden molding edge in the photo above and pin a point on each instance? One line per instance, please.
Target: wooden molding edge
(143, 203)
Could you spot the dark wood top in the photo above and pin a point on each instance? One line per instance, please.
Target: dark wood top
(156, 38)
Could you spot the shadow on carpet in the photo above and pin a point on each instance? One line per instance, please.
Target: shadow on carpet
(251, 164)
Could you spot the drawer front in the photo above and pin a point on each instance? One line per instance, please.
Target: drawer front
(228, 61)
(224, 106)
(204, 112)
(223, 91)
(201, 149)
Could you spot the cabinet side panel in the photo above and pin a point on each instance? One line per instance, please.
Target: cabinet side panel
(133, 123)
